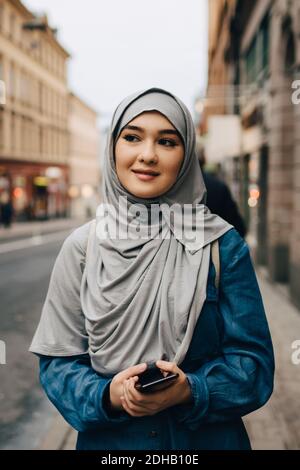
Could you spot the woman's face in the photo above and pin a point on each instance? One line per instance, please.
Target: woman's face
(148, 143)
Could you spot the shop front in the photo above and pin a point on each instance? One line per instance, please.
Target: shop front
(36, 192)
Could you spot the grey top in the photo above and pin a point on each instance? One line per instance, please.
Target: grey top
(61, 330)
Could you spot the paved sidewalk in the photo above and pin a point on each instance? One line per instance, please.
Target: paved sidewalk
(20, 230)
(277, 424)
(59, 437)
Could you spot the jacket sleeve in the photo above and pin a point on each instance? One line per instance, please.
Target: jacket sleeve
(79, 393)
(240, 380)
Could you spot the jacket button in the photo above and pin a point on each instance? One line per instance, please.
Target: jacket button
(153, 434)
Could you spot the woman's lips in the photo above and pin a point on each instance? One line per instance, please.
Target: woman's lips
(145, 177)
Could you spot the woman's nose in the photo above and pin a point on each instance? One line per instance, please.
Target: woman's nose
(148, 154)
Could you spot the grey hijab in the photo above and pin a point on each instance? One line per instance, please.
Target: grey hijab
(142, 297)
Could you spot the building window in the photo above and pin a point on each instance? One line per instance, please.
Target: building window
(257, 55)
(290, 54)
(24, 88)
(1, 130)
(12, 131)
(251, 62)
(265, 43)
(12, 24)
(40, 93)
(16, 88)
(11, 80)
(1, 16)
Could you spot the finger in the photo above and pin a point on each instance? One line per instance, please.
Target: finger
(130, 390)
(125, 405)
(132, 399)
(135, 396)
(131, 408)
(167, 366)
(134, 370)
(127, 394)
(125, 390)
(129, 411)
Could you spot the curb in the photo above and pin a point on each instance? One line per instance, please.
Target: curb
(19, 232)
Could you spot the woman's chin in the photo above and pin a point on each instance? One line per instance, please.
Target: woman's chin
(145, 193)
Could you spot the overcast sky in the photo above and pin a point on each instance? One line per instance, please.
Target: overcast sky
(121, 46)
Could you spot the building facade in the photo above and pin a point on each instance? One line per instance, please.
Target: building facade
(84, 158)
(263, 50)
(34, 138)
(218, 99)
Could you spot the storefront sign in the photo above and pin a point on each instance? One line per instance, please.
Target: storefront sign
(40, 181)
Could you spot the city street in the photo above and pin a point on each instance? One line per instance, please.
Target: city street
(24, 274)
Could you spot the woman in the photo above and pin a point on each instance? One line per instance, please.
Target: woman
(116, 302)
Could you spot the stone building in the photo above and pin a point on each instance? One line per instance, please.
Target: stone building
(219, 67)
(262, 54)
(84, 158)
(34, 118)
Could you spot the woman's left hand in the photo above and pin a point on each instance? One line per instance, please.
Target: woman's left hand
(143, 404)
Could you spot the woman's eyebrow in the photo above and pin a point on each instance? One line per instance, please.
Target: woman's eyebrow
(163, 131)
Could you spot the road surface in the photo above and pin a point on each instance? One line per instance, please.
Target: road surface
(25, 268)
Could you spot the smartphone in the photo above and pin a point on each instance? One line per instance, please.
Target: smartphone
(152, 380)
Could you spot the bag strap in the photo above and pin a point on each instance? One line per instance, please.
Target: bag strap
(216, 260)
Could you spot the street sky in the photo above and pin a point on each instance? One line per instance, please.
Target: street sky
(121, 46)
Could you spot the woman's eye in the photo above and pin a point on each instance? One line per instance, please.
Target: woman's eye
(168, 142)
(130, 138)
(165, 142)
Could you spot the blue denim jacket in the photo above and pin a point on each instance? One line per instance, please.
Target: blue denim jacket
(229, 365)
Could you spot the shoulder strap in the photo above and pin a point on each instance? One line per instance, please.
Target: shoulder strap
(216, 260)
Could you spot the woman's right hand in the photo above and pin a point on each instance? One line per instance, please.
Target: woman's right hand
(116, 385)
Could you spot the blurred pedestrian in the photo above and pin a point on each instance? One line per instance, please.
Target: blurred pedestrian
(6, 210)
(219, 199)
(116, 303)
